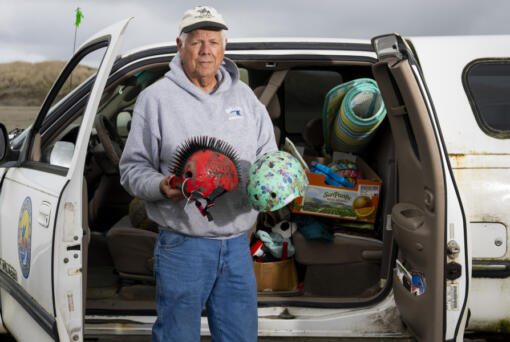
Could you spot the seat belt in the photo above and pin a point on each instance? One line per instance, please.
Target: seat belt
(272, 86)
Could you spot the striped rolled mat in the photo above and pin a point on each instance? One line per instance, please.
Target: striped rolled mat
(351, 114)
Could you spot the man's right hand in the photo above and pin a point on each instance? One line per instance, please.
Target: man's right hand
(170, 193)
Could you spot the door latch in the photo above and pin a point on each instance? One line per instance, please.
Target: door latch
(453, 270)
(453, 249)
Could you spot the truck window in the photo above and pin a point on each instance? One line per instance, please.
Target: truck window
(244, 75)
(305, 91)
(487, 85)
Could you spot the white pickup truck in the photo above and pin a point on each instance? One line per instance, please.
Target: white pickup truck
(73, 266)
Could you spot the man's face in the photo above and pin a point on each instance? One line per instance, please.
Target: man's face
(202, 53)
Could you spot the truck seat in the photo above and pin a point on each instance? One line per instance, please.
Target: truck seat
(348, 266)
(132, 250)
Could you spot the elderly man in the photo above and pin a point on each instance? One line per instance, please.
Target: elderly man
(198, 263)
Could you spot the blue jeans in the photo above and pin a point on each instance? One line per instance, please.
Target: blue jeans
(193, 273)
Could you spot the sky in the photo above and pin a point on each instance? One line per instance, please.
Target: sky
(40, 30)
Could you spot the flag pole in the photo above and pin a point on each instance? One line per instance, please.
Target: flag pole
(79, 16)
(74, 48)
(74, 44)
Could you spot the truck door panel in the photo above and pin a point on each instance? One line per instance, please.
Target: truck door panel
(420, 219)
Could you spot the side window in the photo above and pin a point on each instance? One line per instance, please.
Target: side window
(305, 91)
(58, 149)
(487, 84)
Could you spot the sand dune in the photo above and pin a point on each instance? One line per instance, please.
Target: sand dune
(23, 87)
(17, 116)
(27, 84)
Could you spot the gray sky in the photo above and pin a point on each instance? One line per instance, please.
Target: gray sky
(38, 30)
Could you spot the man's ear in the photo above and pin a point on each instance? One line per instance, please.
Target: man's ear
(179, 43)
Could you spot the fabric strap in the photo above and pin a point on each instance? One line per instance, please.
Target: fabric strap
(272, 86)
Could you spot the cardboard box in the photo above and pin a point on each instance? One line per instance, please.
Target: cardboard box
(276, 276)
(356, 204)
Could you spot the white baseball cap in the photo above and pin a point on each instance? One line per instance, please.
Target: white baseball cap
(201, 17)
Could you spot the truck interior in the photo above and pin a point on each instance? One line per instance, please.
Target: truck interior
(353, 269)
(350, 269)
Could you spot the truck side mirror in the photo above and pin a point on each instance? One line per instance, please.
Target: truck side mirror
(4, 141)
(6, 153)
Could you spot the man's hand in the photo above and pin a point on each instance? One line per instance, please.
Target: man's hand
(171, 193)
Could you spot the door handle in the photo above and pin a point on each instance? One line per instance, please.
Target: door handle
(44, 214)
(407, 215)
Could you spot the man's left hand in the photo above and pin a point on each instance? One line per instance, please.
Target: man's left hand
(169, 192)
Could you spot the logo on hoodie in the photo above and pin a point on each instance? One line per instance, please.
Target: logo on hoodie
(234, 113)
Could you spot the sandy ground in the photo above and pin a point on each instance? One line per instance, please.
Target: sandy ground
(17, 117)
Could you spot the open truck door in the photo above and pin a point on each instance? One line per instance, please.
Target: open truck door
(432, 271)
(43, 237)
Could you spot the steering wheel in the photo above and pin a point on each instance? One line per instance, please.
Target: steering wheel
(109, 138)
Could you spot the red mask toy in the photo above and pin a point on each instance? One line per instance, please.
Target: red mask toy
(205, 168)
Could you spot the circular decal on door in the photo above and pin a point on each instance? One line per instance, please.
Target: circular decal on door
(25, 236)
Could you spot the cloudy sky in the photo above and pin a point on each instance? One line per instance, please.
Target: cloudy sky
(38, 30)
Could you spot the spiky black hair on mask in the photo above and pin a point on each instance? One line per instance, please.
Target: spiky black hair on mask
(195, 144)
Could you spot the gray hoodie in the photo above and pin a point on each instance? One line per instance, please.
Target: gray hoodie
(172, 110)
